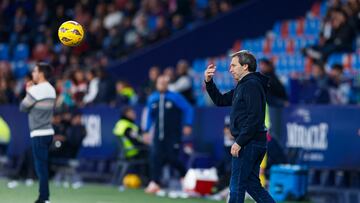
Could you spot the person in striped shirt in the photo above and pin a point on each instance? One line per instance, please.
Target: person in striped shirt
(39, 104)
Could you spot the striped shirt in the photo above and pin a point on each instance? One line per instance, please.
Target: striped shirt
(39, 103)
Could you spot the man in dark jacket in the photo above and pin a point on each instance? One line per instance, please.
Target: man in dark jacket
(276, 94)
(247, 116)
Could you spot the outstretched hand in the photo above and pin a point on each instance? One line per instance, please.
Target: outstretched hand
(209, 72)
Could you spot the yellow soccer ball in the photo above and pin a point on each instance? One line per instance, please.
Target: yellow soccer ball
(71, 33)
(132, 181)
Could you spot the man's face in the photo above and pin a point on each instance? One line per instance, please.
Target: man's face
(162, 84)
(153, 73)
(35, 74)
(335, 73)
(236, 69)
(317, 71)
(131, 114)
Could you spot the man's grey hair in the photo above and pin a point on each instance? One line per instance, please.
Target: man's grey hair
(246, 57)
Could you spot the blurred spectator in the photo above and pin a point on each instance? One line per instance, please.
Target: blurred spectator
(41, 20)
(183, 82)
(212, 10)
(141, 24)
(161, 30)
(75, 134)
(20, 28)
(352, 9)
(113, 18)
(150, 85)
(106, 93)
(276, 93)
(129, 135)
(177, 23)
(170, 74)
(56, 149)
(68, 138)
(79, 87)
(165, 111)
(82, 14)
(59, 17)
(225, 6)
(334, 4)
(321, 83)
(65, 99)
(125, 94)
(276, 96)
(339, 86)
(340, 39)
(7, 95)
(93, 87)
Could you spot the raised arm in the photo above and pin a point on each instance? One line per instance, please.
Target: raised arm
(216, 96)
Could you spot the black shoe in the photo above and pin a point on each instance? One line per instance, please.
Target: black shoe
(42, 201)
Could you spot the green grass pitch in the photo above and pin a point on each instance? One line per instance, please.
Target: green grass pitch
(89, 193)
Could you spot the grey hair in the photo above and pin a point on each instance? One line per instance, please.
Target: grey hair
(246, 57)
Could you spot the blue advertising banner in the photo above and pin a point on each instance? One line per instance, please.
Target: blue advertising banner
(99, 122)
(320, 136)
(323, 136)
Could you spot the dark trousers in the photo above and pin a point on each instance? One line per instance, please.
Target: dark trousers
(40, 147)
(159, 156)
(245, 174)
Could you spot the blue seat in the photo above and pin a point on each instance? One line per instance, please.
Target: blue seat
(312, 27)
(335, 59)
(201, 4)
(4, 52)
(323, 8)
(198, 65)
(257, 45)
(247, 45)
(299, 63)
(20, 69)
(21, 52)
(355, 62)
(152, 22)
(277, 28)
(292, 28)
(278, 46)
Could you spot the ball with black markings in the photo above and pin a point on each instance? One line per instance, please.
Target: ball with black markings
(71, 33)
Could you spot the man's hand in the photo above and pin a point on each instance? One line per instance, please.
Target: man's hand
(187, 130)
(235, 149)
(28, 85)
(209, 72)
(59, 138)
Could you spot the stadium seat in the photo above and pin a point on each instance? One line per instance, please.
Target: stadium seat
(4, 52)
(334, 59)
(278, 45)
(292, 26)
(201, 4)
(20, 69)
(21, 52)
(312, 27)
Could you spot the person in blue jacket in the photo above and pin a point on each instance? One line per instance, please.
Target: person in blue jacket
(169, 116)
(247, 124)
